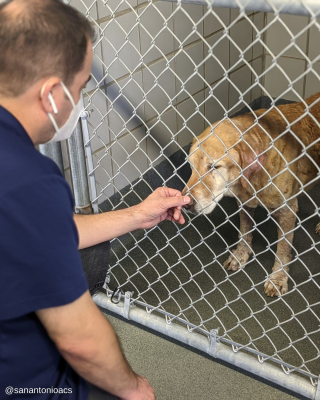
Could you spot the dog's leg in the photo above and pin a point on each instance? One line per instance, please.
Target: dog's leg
(318, 228)
(278, 281)
(241, 254)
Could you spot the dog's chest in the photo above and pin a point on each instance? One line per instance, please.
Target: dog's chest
(271, 194)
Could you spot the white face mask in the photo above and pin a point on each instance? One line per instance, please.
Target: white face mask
(66, 130)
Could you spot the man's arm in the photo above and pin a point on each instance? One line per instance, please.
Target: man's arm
(98, 228)
(89, 344)
(163, 203)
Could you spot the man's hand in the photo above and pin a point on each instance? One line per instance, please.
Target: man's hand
(143, 392)
(163, 203)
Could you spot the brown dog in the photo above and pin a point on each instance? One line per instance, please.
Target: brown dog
(262, 159)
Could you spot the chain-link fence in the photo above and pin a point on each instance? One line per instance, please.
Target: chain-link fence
(163, 72)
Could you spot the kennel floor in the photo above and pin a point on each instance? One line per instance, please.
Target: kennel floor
(176, 373)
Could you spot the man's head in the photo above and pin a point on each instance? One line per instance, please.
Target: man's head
(42, 41)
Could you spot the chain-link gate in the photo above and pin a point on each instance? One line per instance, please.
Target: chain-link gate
(162, 73)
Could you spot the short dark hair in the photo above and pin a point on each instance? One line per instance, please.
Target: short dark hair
(38, 39)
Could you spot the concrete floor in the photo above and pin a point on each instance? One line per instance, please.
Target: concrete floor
(180, 373)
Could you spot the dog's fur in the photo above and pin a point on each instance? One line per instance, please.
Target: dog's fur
(255, 158)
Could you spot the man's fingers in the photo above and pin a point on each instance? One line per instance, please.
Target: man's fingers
(176, 201)
(169, 192)
(178, 219)
(176, 214)
(170, 212)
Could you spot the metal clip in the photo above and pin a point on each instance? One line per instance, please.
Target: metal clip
(213, 342)
(106, 281)
(117, 291)
(126, 306)
(86, 113)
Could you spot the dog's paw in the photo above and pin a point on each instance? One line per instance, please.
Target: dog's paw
(318, 228)
(236, 260)
(277, 284)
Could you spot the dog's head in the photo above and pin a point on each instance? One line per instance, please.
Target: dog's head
(221, 163)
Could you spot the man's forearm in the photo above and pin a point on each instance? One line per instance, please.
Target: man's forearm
(86, 339)
(94, 229)
(105, 367)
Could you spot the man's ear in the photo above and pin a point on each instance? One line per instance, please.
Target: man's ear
(51, 95)
(251, 160)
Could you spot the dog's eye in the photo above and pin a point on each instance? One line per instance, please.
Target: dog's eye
(212, 167)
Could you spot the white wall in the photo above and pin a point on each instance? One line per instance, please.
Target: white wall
(290, 41)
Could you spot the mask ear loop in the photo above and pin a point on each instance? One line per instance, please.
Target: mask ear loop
(66, 90)
(54, 107)
(53, 104)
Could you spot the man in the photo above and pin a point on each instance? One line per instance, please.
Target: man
(52, 335)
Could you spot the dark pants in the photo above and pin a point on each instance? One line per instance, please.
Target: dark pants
(96, 393)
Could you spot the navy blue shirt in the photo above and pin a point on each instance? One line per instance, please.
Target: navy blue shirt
(40, 266)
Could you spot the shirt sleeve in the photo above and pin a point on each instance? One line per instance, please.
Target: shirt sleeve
(40, 265)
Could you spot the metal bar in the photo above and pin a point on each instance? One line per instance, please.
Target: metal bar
(248, 363)
(88, 152)
(317, 396)
(79, 172)
(294, 7)
(53, 151)
(214, 332)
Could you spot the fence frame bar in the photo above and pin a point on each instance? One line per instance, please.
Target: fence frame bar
(79, 171)
(265, 370)
(293, 7)
(88, 154)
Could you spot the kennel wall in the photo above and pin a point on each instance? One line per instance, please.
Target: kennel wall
(162, 72)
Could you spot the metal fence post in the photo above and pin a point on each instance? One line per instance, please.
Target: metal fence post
(88, 154)
(79, 172)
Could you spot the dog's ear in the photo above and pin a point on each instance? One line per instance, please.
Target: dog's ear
(251, 162)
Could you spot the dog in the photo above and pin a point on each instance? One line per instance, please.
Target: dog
(258, 158)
